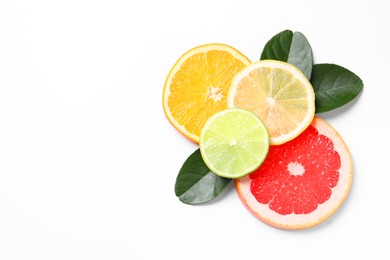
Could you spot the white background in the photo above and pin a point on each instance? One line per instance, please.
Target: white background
(88, 160)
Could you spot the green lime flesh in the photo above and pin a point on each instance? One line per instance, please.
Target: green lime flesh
(234, 142)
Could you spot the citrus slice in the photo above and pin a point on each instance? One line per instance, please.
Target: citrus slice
(234, 142)
(279, 94)
(196, 86)
(302, 182)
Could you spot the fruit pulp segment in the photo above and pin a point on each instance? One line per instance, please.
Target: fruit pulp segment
(299, 175)
(279, 95)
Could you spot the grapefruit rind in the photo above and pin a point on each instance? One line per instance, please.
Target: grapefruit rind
(325, 210)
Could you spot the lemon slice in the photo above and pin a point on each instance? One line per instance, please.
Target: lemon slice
(279, 94)
(234, 142)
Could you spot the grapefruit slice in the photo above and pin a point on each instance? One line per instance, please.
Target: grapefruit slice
(301, 183)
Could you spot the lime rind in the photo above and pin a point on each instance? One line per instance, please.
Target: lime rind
(234, 142)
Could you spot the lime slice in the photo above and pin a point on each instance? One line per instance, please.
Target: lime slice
(234, 142)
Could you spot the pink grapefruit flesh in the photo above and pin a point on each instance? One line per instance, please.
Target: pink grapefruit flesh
(301, 183)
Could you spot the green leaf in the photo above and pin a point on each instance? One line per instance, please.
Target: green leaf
(196, 184)
(278, 47)
(334, 86)
(292, 48)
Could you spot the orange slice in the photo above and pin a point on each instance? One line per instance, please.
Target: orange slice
(196, 86)
(279, 94)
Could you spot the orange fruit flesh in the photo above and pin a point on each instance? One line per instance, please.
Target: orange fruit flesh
(198, 87)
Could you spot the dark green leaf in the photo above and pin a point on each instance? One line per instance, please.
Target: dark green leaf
(278, 47)
(195, 183)
(292, 48)
(334, 86)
